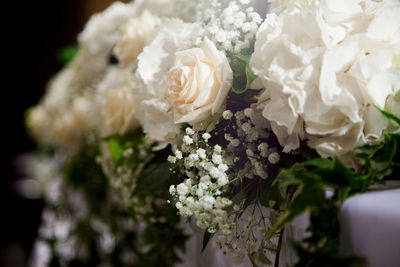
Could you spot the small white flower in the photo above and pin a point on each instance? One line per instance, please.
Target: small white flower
(178, 154)
(182, 189)
(187, 140)
(201, 153)
(262, 147)
(215, 172)
(205, 179)
(218, 149)
(235, 142)
(246, 127)
(171, 159)
(227, 137)
(179, 205)
(223, 167)
(206, 136)
(193, 157)
(217, 158)
(223, 180)
(239, 115)
(249, 153)
(274, 158)
(189, 131)
(227, 114)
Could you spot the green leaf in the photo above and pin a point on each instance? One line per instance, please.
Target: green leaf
(243, 76)
(320, 163)
(206, 239)
(252, 258)
(263, 259)
(67, 54)
(391, 117)
(115, 149)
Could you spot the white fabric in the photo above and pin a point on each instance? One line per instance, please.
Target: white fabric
(370, 228)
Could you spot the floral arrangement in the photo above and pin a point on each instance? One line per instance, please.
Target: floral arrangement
(237, 116)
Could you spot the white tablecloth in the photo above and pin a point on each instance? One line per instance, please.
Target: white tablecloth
(370, 228)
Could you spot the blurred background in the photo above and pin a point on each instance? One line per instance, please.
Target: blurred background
(32, 33)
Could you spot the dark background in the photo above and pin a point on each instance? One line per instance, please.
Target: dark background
(31, 34)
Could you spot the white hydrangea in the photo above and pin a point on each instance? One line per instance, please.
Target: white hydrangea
(323, 80)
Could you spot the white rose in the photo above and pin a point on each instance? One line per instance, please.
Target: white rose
(133, 38)
(98, 38)
(150, 83)
(71, 125)
(115, 102)
(323, 80)
(119, 112)
(199, 83)
(39, 122)
(61, 89)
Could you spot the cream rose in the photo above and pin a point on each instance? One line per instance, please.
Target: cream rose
(71, 125)
(39, 123)
(323, 80)
(115, 102)
(119, 111)
(150, 83)
(133, 38)
(198, 83)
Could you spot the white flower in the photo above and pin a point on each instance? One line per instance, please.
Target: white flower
(223, 167)
(206, 136)
(202, 153)
(189, 131)
(178, 154)
(323, 80)
(39, 123)
(150, 83)
(217, 149)
(215, 172)
(133, 37)
(98, 38)
(193, 157)
(70, 127)
(171, 159)
(182, 189)
(216, 159)
(274, 158)
(172, 189)
(222, 180)
(199, 83)
(118, 103)
(187, 140)
(227, 114)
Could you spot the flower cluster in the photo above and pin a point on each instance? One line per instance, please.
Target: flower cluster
(222, 94)
(235, 27)
(201, 193)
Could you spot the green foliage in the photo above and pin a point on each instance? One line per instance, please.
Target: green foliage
(82, 172)
(116, 149)
(206, 239)
(242, 73)
(67, 54)
(389, 116)
(312, 178)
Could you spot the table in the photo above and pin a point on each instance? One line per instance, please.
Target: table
(370, 228)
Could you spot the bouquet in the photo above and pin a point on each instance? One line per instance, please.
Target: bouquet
(235, 116)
